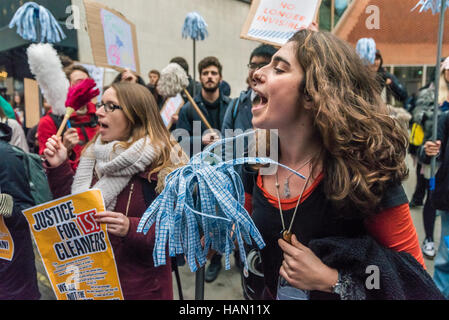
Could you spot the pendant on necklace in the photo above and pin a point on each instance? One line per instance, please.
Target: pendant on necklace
(286, 189)
(287, 236)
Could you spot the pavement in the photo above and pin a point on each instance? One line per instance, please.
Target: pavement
(228, 284)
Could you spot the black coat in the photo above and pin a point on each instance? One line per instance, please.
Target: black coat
(395, 88)
(18, 278)
(439, 197)
(400, 276)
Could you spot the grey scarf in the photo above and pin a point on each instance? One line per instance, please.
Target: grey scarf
(115, 168)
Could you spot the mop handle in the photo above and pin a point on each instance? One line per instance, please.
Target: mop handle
(197, 109)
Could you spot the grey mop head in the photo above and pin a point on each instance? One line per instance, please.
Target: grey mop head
(173, 80)
(6, 205)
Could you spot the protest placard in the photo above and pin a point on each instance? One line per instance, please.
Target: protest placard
(75, 250)
(32, 102)
(6, 242)
(274, 22)
(113, 38)
(170, 108)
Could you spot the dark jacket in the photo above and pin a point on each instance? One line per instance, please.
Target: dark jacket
(139, 278)
(188, 114)
(395, 88)
(238, 118)
(400, 276)
(239, 115)
(439, 196)
(18, 278)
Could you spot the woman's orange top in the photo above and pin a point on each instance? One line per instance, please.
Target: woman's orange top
(392, 227)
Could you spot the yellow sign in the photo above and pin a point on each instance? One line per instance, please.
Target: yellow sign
(6, 242)
(75, 249)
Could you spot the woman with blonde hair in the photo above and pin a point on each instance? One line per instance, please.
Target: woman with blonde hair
(322, 232)
(127, 160)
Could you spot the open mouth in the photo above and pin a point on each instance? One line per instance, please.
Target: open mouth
(102, 125)
(259, 100)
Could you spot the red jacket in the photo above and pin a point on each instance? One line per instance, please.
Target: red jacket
(139, 279)
(47, 128)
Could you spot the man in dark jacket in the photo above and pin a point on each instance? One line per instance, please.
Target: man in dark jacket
(212, 103)
(18, 277)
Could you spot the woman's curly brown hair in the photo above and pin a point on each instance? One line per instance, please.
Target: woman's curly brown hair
(364, 148)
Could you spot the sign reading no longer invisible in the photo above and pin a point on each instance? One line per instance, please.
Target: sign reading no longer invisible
(274, 21)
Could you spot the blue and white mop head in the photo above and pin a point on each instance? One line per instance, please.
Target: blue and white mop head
(194, 27)
(434, 5)
(26, 18)
(366, 49)
(203, 199)
(46, 66)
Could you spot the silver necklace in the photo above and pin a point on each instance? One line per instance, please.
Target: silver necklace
(286, 183)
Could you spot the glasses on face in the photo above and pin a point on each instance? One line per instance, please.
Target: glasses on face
(256, 66)
(108, 107)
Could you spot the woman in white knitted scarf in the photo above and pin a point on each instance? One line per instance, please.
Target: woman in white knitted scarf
(127, 160)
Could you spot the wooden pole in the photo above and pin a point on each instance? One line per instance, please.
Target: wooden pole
(197, 109)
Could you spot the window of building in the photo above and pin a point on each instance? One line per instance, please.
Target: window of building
(330, 13)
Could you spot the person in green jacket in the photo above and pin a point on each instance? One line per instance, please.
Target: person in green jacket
(9, 111)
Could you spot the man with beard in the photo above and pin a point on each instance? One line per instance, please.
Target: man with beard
(212, 103)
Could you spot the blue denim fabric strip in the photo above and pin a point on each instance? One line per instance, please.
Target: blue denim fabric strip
(26, 18)
(201, 199)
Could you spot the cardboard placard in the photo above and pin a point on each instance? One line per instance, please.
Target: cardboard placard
(170, 108)
(113, 38)
(6, 242)
(75, 249)
(32, 102)
(274, 21)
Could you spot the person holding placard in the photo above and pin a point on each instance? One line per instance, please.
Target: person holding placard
(128, 161)
(323, 233)
(18, 275)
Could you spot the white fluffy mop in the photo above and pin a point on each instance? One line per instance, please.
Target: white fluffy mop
(47, 68)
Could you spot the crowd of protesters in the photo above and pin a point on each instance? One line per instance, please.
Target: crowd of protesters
(335, 126)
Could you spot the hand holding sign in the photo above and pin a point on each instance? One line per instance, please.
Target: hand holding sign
(117, 223)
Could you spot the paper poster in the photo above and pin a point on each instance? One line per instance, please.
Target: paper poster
(96, 73)
(6, 242)
(274, 21)
(118, 40)
(171, 107)
(75, 250)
